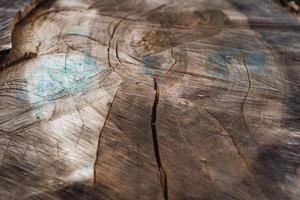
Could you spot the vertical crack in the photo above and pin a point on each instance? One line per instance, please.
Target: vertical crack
(249, 84)
(163, 174)
(100, 135)
(247, 94)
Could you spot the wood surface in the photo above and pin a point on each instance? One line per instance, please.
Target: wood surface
(148, 99)
(12, 12)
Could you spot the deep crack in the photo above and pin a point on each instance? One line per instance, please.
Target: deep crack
(163, 174)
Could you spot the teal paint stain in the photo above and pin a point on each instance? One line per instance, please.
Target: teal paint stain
(255, 61)
(60, 76)
(219, 62)
(149, 62)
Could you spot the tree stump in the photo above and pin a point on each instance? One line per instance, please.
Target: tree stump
(146, 99)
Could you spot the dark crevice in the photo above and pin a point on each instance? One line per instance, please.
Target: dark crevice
(163, 174)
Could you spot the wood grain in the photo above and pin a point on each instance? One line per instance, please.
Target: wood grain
(12, 12)
(146, 99)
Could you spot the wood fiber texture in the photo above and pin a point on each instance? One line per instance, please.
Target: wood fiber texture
(148, 99)
(12, 12)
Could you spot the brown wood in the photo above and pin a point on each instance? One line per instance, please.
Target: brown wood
(12, 12)
(146, 99)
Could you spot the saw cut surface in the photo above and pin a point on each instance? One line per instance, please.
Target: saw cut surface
(147, 99)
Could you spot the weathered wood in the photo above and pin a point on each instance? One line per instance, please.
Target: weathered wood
(145, 99)
(12, 12)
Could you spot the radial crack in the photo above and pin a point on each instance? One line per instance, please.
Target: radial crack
(163, 174)
(249, 84)
(100, 135)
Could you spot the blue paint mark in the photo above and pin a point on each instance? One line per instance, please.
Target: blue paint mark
(255, 62)
(219, 62)
(149, 62)
(55, 78)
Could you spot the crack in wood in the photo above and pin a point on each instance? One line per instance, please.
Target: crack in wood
(162, 171)
(249, 84)
(111, 38)
(118, 58)
(239, 153)
(175, 61)
(246, 96)
(100, 135)
(86, 36)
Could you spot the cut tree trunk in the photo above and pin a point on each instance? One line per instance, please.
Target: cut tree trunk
(146, 99)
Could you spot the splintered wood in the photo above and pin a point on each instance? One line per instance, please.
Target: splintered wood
(147, 99)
